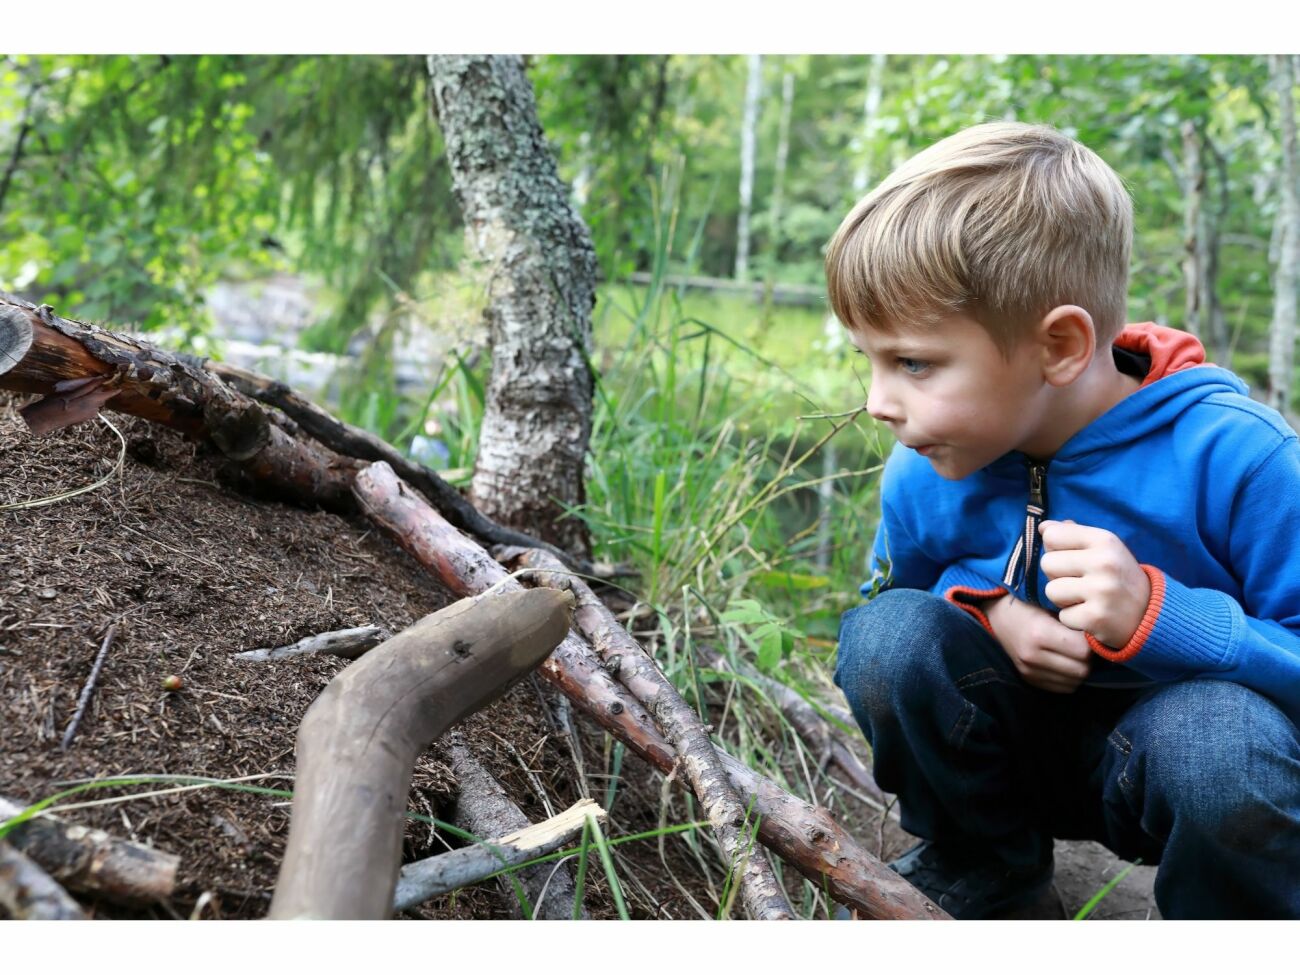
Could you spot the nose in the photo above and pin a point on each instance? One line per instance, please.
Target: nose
(881, 404)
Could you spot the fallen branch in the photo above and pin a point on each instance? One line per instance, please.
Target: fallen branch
(825, 740)
(625, 659)
(804, 835)
(80, 369)
(92, 861)
(359, 740)
(454, 869)
(348, 644)
(89, 688)
(350, 441)
(484, 809)
(28, 893)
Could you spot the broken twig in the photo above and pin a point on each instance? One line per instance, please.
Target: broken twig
(90, 686)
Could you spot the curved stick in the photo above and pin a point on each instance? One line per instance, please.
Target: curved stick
(359, 741)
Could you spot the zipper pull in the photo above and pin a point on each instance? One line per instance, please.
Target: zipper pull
(1034, 513)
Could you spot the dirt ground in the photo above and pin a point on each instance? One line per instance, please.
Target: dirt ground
(192, 572)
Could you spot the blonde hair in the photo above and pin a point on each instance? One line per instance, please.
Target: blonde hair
(1002, 222)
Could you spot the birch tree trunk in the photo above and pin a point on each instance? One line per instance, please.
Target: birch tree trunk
(778, 192)
(1282, 334)
(870, 111)
(520, 222)
(753, 93)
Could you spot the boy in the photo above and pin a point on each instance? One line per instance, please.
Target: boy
(1090, 622)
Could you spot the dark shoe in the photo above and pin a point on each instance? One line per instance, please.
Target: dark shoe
(969, 887)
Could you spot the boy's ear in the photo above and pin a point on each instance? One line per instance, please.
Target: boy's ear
(1067, 342)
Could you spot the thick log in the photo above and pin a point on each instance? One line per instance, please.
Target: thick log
(28, 893)
(627, 661)
(806, 836)
(359, 740)
(90, 860)
(348, 644)
(484, 809)
(81, 368)
(15, 337)
(423, 879)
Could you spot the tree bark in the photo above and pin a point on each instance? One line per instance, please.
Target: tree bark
(454, 869)
(519, 220)
(81, 369)
(92, 861)
(1282, 333)
(628, 662)
(806, 836)
(778, 194)
(484, 809)
(359, 741)
(870, 111)
(28, 893)
(748, 140)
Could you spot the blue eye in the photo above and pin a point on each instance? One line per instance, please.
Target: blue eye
(913, 367)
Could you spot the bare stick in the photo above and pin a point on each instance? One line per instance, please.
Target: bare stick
(348, 644)
(358, 743)
(90, 686)
(484, 809)
(423, 879)
(92, 861)
(628, 662)
(31, 894)
(806, 836)
(828, 742)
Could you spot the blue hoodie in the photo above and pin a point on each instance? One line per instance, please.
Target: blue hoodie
(1201, 483)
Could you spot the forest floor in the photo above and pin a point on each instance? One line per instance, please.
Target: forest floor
(193, 571)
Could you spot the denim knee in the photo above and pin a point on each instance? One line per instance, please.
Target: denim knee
(1215, 757)
(884, 644)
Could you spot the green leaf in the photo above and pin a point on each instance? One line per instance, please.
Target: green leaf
(791, 580)
(769, 649)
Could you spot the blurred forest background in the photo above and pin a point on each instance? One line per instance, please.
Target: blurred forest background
(296, 213)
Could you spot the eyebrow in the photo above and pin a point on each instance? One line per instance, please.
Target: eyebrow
(904, 349)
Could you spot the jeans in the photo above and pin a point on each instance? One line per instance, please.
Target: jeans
(1200, 776)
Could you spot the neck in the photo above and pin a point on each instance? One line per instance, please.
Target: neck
(1069, 409)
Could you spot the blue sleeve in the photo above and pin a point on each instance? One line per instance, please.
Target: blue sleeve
(897, 562)
(1188, 632)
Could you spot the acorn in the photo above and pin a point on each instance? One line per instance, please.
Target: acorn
(172, 682)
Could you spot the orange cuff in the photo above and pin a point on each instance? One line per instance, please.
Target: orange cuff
(958, 596)
(1139, 638)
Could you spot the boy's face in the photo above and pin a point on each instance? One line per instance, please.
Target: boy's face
(949, 394)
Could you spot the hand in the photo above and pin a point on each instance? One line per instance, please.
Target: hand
(1095, 579)
(1048, 654)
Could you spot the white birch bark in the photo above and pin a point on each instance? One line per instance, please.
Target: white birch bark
(520, 221)
(1282, 333)
(748, 131)
(870, 112)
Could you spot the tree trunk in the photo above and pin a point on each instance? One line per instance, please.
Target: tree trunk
(748, 138)
(519, 220)
(1282, 334)
(778, 194)
(359, 741)
(870, 111)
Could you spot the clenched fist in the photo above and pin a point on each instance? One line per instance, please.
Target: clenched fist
(1095, 579)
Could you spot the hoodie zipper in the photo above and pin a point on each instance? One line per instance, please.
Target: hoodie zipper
(1023, 564)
